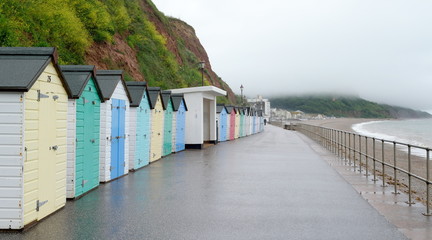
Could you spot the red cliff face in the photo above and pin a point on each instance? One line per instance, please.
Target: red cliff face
(120, 55)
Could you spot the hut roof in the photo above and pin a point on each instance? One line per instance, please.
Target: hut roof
(176, 99)
(230, 109)
(20, 67)
(153, 95)
(77, 77)
(108, 80)
(220, 108)
(137, 91)
(166, 97)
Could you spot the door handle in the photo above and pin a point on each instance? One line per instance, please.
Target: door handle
(55, 147)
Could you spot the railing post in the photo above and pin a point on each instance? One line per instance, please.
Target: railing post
(409, 202)
(367, 157)
(374, 159)
(382, 164)
(360, 154)
(354, 152)
(394, 169)
(345, 140)
(349, 148)
(427, 213)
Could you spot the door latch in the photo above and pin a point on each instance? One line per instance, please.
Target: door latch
(40, 204)
(84, 182)
(40, 95)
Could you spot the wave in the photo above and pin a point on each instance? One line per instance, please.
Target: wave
(361, 128)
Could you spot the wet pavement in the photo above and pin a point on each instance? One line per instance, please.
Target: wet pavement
(271, 185)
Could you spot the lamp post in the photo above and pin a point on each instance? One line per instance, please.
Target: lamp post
(241, 89)
(201, 66)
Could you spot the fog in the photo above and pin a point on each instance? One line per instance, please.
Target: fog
(380, 50)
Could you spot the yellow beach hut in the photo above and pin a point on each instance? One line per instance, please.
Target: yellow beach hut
(237, 123)
(157, 119)
(33, 131)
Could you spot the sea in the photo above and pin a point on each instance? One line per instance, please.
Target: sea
(417, 132)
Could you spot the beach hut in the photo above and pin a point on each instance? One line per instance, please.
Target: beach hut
(242, 122)
(253, 112)
(83, 129)
(114, 140)
(260, 122)
(237, 122)
(157, 123)
(249, 122)
(140, 119)
(201, 114)
(168, 123)
(179, 121)
(222, 120)
(33, 130)
(231, 117)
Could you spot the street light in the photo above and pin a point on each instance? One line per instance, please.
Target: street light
(201, 66)
(241, 89)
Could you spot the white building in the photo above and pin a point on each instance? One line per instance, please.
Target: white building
(201, 114)
(261, 103)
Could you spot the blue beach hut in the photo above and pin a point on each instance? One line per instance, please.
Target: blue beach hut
(140, 127)
(222, 121)
(179, 118)
(114, 149)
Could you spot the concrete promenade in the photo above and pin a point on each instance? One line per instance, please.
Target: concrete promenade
(271, 185)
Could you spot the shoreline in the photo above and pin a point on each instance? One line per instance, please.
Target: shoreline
(344, 124)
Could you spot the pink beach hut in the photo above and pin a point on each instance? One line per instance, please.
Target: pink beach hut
(231, 121)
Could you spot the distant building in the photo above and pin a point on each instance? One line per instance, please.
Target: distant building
(262, 104)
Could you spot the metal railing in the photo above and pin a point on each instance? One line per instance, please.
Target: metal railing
(359, 152)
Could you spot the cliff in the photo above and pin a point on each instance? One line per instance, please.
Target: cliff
(132, 35)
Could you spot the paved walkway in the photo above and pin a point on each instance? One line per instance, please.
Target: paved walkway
(267, 186)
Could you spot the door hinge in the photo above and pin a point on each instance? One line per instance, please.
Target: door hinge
(85, 101)
(40, 95)
(111, 168)
(84, 182)
(40, 204)
(124, 164)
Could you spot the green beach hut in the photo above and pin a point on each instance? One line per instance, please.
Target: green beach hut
(168, 123)
(83, 129)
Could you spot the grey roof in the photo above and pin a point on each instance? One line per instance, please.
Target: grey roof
(166, 97)
(177, 99)
(108, 80)
(20, 67)
(77, 77)
(153, 92)
(137, 91)
(230, 109)
(220, 108)
(238, 110)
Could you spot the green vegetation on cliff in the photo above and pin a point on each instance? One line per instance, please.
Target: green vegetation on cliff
(75, 26)
(344, 107)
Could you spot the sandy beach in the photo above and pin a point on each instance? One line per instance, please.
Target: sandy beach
(418, 164)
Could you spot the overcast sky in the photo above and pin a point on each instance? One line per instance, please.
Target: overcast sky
(380, 50)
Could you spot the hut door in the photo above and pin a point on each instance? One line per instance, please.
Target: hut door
(48, 148)
(117, 138)
(90, 143)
